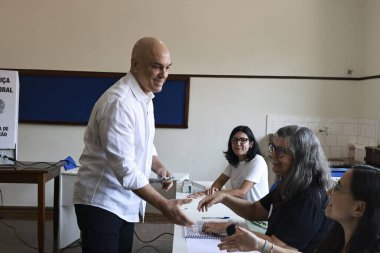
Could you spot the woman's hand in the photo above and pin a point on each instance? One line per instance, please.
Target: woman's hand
(210, 200)
(196, 195)
(215, 227)
(203, 193)
(242, 240)
(211, 191)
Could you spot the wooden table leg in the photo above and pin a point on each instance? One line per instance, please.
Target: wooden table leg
(41, 213)
(56, 213)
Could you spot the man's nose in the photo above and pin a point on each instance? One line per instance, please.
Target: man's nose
(164, 72)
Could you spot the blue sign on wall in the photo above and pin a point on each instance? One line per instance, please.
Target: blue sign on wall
(66, 98)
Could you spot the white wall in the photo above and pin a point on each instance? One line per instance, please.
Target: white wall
(215, 109)
(217, 37)
(243, 37)
(371, 49)
(369, 93)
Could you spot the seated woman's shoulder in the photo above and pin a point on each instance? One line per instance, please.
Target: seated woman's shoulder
(317, 194)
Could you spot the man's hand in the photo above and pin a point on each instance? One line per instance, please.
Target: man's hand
(162, 173)
(174, 213)
(167, 178)
(171, 208)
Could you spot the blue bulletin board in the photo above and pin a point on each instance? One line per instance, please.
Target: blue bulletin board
(67, 97)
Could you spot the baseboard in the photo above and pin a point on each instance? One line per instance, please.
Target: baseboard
(24, 212)
(31, 213)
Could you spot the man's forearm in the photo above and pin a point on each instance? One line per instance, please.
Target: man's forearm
(156, 164)
(150, 195)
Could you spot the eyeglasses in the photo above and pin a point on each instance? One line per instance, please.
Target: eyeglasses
(279, 150)
(338, 188)
(235, 140)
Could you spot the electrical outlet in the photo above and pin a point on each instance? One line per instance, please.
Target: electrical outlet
(3, 152)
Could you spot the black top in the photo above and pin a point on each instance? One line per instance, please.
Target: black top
(300, 222)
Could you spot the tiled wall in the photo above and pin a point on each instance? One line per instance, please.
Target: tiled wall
(335, 134)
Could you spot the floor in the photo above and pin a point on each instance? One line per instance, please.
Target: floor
(20, 235)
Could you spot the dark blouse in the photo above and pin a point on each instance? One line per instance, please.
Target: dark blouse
(300, 222)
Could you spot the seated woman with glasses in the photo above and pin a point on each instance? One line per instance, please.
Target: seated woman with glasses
(355, 207)
(295, 208)
(246, 169)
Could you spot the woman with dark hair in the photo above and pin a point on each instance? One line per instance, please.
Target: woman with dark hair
(295, 208)
(246, 169)
(355, 206)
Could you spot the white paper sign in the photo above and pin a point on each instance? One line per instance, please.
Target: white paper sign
(9, 95)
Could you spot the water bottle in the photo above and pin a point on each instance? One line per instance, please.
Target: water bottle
(351, 153)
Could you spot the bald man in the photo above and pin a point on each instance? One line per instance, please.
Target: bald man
(119, 154)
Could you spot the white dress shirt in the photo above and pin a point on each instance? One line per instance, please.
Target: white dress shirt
(117, 157)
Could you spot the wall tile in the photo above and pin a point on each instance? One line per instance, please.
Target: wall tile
(322, 139)
(362, 140)
(362, 130)
(372, 142)
(336, 129)
(342, 140)
(371, 130)
(340, 132)
(326, 149)
(348, 129)
(335, 152)
(331, 140)
(352, 139)
(359, 155)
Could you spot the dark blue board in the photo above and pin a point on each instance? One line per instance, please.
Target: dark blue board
(65, 99)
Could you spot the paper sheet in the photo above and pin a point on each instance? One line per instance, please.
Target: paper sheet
(204, 246)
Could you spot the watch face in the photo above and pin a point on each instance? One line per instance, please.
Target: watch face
(2, 105)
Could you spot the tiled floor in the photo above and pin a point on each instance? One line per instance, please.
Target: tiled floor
(20, 236)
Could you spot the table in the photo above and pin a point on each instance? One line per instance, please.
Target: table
(68, 228)
(37, 173)
(218, 210)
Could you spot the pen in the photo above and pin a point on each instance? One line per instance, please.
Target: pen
(220, 217)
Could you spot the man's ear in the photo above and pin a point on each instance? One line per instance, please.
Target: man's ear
(134, 65)
(358, 209)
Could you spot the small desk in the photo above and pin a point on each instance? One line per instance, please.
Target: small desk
(218, 210)
(37, 173)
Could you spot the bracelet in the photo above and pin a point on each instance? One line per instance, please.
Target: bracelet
(264, 246)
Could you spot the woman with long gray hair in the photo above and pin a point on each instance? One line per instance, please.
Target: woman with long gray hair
(295, 208)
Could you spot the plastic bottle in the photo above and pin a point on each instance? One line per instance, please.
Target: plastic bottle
(351, 153)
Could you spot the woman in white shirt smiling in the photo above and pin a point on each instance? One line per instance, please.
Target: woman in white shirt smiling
(246, 169)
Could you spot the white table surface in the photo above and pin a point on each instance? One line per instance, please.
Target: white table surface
(218, 210)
